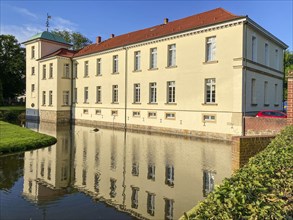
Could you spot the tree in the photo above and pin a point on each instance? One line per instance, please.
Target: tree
(288, 65)
(12, 68)
(75, 38)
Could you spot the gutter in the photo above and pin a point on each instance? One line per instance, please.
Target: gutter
(71, 95)
(244, 71)
(125, 89)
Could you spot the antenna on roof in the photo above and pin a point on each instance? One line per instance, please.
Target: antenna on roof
(47, 22)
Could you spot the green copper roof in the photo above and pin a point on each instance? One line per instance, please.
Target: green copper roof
(48, 36)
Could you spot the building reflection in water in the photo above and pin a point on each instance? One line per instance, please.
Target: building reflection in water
(148, 176)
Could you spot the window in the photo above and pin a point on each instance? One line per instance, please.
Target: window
(253, 49)
(169, 209)
(98, 94)
(84, 176)
(113, 188)
(151, 172)
(208, 182)
(50, 97)
(33, 88)
(65, 97)
(114, 112)
(209, 118)
(75, 70)
(98, 111)
(134, 197)
(169, 115)
(210, 87)
(136, 113)
(44, 98)
(169, 176)
(152, 114)
(277, 59)
(85, 111)
(49, 171)
(276, 94)
(66, 71)
(171, 55)
(253, 92)
(153, 58)
(33, 70)
(51, 70)
(33, 52)
(115, 64)
(153, 93)
(211, 49)
(136, 60)
(86, 68)
(98, 67)
(75, 95)
(171, 92)
(136, 97)
(115, 94)
(44, 71)
(266, 54)
(42, 168)
(86, 95)
(266, 98)
(135, 169)
(151, 204)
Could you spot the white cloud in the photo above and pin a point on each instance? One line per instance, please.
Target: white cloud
(62, 24)
(26, 12)
(22, 33)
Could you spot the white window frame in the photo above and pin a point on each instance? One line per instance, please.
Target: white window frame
(44, 72)
(33, 71)
(33, 88)
(135, 113)
(50, 70)
(99, 66)
(211, 48)
(98, 94)
(86, 68)
(208, 118)
(210, 91)
(153, 92)
(66, 70)
(137, 59)
(171, 55)
(86, 95)
(152, 114)
(75, 70)
(75, 95)
(115, 94)
(170, 115)
(267, 60)
(115, 63)
(66, 98)
(254, 48)
(50, 98)
(44, 98)
(171, 89)
(136, 95)
(33, 51)
(153, 58)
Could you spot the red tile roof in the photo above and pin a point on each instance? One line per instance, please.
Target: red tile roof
(195, 21)
(63, 52)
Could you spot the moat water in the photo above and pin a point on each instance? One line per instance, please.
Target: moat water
(110, 174)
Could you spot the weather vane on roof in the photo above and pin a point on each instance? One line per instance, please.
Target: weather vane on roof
(47, 22)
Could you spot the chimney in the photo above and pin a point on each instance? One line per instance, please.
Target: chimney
(166, 20)
(112, 35)
(98, 39)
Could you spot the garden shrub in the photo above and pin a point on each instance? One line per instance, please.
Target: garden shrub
(262, 189)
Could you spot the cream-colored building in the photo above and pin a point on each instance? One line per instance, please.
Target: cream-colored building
(197, 76)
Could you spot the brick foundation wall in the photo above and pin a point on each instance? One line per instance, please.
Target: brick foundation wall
(264, 126)
(290, 99)
(244, 147)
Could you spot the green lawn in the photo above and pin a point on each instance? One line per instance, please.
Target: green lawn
(12, 108)
(14, 139)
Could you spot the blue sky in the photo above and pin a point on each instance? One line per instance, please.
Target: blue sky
(24, 18)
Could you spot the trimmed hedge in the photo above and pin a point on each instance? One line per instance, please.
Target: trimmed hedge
(14, 138)
(262, 189)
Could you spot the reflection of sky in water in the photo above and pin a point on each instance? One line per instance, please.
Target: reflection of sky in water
(147, 176)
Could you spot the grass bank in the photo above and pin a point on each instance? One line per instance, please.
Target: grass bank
(260, 190)
(14, 139)
(12, 108)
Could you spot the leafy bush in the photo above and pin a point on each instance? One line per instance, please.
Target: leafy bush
(260, 190)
